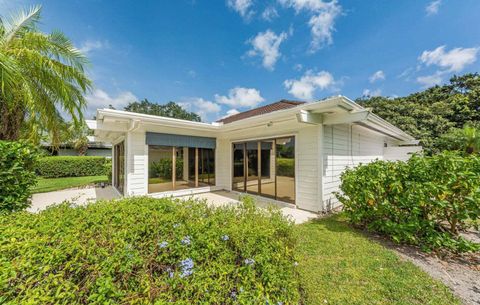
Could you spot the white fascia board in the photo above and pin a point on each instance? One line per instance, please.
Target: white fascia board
(155, 120)
(92, 124)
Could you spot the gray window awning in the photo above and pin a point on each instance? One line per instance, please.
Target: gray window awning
(166, 139)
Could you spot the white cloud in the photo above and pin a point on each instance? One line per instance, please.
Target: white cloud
(379, 75)
(98, 99)
(430, 80)
(322, 21)
(92, 45)
(204, 108)
(309, 83)
(230, 112)
(241, 97)
(368, 92)
(192, 73)
(270, 13)
(267, 44)
(453, 61)
(433, 7)
(242, 7)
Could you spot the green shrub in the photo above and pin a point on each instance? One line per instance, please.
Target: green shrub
(148, 251)
(285, 167)
(425, 201)
(17, 175)
(163, 169)
(71, 166)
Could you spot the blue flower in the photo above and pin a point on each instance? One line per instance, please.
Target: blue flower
(170, 272)
(186, 240)
(225, 237)
(186, 267)
(234, 295)
(163, 244)
(249, 261)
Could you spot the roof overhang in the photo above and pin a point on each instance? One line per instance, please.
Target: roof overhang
(330, 111)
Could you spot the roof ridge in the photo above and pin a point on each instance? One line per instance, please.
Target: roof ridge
(275, 106)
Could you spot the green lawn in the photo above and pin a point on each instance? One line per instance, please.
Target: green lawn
(55, 184)
(341, 266)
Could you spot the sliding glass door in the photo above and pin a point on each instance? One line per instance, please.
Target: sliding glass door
(176, 168)
(265, 167)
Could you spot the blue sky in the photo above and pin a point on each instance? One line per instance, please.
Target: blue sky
(221, 56)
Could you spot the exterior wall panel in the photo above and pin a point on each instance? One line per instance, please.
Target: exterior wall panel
(307, 169)
(137, 164)
(346, 146)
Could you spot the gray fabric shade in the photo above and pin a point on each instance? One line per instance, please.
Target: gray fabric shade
(166, 139)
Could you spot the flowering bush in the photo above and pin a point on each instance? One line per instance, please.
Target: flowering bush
(148, 251)
(426, 201)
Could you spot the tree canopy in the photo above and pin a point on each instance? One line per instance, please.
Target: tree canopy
(42, 79)
(170, 109)
(432, 114)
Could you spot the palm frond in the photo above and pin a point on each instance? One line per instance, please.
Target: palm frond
(20, 23)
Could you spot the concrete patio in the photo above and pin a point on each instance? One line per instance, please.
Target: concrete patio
(86, 195)
(82, 196)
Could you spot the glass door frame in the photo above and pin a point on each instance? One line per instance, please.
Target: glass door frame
(259, 151)
(119, 166)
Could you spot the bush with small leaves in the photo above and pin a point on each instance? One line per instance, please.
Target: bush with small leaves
(17, 175)
(72, 166)
(425, 201)
(148, 251)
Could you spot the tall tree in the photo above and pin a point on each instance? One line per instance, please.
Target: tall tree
(42, 79)
(430, 114)
(170, 109)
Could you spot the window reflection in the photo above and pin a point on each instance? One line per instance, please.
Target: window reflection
(194, 167)
(265, 167)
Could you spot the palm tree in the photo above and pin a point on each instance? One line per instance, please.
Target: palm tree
(472, 139)
(42, 79)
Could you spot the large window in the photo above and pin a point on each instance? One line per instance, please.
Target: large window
(265, 167)
(176, 168)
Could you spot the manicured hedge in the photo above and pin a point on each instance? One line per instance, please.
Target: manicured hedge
(17, 175)
(426, 201)
(148, 251)
(72, 166)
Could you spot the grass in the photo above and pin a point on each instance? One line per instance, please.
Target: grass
(55, 184)
(339, 265)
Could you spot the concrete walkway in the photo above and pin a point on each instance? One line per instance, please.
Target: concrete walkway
(221, 198)
(77, 196)
(83, 196)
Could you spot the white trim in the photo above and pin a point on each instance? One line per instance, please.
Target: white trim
(272, 137)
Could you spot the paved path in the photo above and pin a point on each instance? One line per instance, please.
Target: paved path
(78, 196)
(83, 196)
(224, 198)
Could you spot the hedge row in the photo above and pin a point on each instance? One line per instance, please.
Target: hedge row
(17, 175)
(426, 201)
(72, 166)
(148, 251)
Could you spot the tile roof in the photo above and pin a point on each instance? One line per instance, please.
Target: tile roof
(280, 105)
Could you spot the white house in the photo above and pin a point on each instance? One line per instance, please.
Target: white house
(287, 151)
